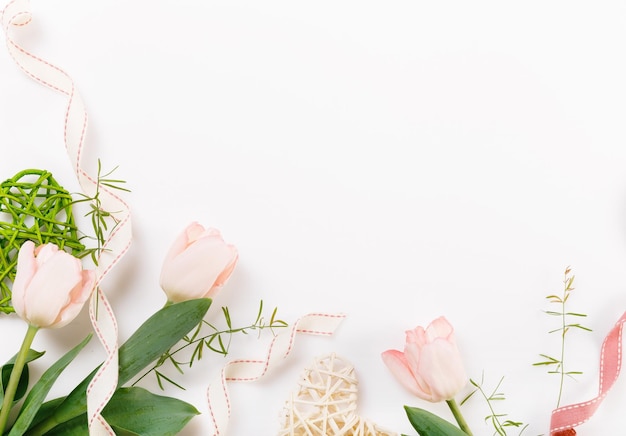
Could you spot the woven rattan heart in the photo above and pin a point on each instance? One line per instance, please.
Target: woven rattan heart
(33, 206)
(325, 403)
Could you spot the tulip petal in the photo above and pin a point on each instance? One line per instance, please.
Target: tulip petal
(221, 280)
(439, 328)
(442, 369)
(412, 353)
(417, 336)
(400, 369)
(26, 269)
(78, 297)
(182, 240)
(48, 291)
(196, 231)
(44, 252)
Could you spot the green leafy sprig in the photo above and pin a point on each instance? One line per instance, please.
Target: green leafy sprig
(557, 365)
(218, 340)
(101, 219)
(497, 420)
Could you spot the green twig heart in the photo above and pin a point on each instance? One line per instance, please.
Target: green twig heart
(33, 206)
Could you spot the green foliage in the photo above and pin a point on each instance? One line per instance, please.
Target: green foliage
(557, 365)
(135, 411)
(153, 338)
(101, 219)
(497, 420)
(23, 383)
(33, 207)
(38, 393)
(429, 424)
(217, 340)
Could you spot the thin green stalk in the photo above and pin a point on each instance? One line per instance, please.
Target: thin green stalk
(16, 373)
(456, 411)
(562, 360)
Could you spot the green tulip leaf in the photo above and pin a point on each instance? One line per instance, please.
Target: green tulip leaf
(150, 414)
(429, 424)
(123, 432)
(136, 411)
(158, 334)
(38, 393)
(154, 337)
(23, 383)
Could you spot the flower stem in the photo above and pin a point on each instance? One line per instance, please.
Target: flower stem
(456, 411)
(16, 373)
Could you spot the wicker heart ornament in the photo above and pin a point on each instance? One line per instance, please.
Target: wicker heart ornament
(325, 403)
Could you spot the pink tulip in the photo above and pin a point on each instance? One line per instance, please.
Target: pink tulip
(430, 367)
(50, 285)
(197, 265)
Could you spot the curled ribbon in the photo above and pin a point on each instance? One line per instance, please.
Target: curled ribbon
(564, 419)
(251, 370)
(17, 14)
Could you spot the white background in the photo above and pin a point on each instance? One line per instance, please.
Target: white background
(393, 161)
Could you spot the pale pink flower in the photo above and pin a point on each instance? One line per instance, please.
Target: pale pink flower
(197, 265)
(430, 367)
(50, 286)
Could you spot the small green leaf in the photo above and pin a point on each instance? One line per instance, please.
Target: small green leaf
(260, 314)
(554, 298)
(509, 423)
(160, 375)
(578, 326)
(550, 361)
(227, 317)
(428, 424)
(468, 396)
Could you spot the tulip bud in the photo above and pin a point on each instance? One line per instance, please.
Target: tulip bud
(50, 285)
(431, 366)
(197, 265)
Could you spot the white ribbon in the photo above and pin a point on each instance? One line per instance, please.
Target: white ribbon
(17, 14)
(243, 370)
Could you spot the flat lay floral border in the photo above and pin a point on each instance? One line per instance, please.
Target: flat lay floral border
(46, 254)
(47, 287)
(46, 284)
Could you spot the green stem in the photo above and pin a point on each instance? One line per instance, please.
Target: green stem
(562, 361)
(456, 411)
(16, 373)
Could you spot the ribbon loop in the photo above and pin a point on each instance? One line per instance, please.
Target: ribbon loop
(567, 417)
(251, 370)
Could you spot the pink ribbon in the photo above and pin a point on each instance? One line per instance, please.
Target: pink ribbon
(565, 418)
